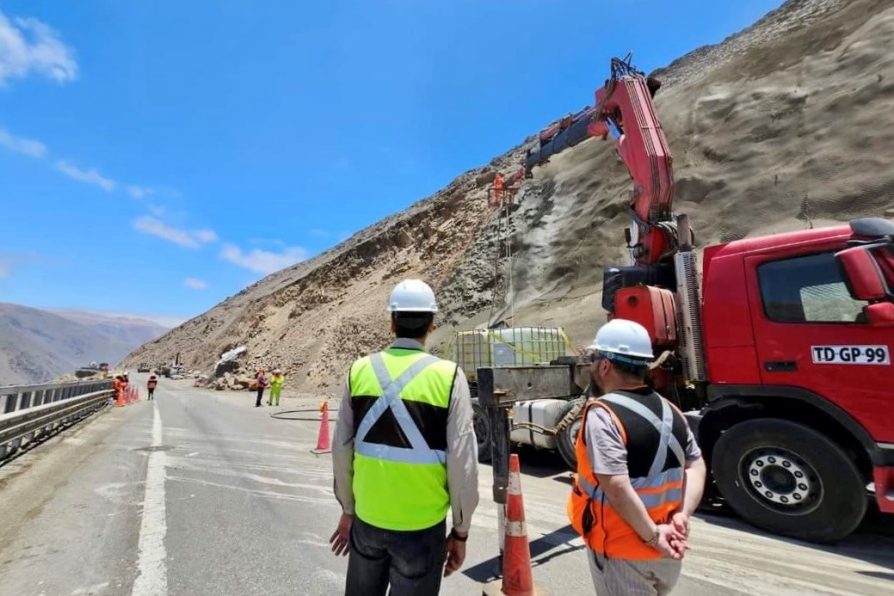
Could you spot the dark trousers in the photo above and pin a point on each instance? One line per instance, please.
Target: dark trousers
(410, 562)
(152, 393)
(260, 395)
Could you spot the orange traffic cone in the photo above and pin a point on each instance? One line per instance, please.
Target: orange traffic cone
(517, 577)
(323, 445)
(119, 398)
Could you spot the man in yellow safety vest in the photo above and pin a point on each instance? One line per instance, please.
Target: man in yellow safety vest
(404, 455)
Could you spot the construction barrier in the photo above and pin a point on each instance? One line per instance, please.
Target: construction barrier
(518, 579)
(324, 444)
(126, 395)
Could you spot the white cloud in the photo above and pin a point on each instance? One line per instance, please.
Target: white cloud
(195, 283)
(90, 176)
(187, 239)
(205, 236)
(28, 147)
(319, 233)
(139, 192)
(169, 321)
(27, 45)
(156, 210)
(263, 261)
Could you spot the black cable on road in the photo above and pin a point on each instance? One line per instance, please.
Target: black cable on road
(281, 416)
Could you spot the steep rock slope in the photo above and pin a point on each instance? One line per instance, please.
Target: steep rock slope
(787, 124)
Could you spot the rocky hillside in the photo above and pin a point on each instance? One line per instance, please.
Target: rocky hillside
(37, 346)
(787, 124)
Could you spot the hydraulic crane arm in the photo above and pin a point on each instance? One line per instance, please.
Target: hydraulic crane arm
(624, 108)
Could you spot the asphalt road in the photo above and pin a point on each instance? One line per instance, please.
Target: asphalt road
(201, 493)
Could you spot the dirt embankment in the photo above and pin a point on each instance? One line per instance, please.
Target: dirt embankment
(787, 124)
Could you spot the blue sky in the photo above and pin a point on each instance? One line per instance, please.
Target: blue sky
(157, 157)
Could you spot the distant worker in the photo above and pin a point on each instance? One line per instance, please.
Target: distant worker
(403, 455)
(261, 382)
(640, 473)
(276, 383)
(118, 387)
(497, 190)
(151, 385)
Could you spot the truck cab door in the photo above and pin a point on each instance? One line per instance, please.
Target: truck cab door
(811, 333)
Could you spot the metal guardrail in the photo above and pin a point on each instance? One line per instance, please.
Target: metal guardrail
(29, 413)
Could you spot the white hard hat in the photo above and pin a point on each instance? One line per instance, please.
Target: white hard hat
(412, 295)
(623, 340)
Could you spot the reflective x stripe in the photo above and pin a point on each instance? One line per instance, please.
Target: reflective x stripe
(664, 426)
(650, 500)
(595, 493)
(419, 452)
(667, 477)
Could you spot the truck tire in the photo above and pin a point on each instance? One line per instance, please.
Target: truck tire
(482, 431)
(789, 479)
(567, 430)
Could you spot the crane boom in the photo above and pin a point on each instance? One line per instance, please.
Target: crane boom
(624, 108)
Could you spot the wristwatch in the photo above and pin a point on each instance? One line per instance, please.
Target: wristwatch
(457, 537)
(656, 535)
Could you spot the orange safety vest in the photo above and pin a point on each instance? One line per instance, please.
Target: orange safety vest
(655, 434)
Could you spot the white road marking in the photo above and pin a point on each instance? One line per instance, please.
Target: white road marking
(153, 574)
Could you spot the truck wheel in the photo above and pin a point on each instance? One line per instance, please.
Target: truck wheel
(568, 428)
(482, 431)
(789, 479)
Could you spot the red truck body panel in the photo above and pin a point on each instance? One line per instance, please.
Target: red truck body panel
(653, 308)
(745, 345)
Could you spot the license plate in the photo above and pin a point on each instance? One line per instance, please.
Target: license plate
(877, 355)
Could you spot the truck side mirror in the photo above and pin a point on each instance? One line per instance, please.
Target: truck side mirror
(862, 275)
(880, 314)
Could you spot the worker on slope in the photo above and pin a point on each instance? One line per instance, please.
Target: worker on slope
(496, 198)
(151, 384)
(640, 473)
(260, 385)
(404, 454)
(276, 383)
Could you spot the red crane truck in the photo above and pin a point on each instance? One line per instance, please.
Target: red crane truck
(783, 344)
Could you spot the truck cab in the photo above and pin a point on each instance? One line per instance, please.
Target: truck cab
(797, 333)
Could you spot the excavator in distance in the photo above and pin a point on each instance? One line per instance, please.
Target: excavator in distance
(780, 350)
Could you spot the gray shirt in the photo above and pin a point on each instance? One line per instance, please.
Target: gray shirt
(605, 446)
(462, 450)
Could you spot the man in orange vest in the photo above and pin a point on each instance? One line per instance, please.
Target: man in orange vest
(151, 384)
(640, 473)
(497, 190)
(118, 386)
